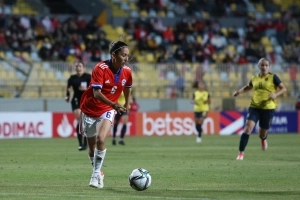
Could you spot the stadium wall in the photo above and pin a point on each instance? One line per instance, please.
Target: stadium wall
(146, 105)
(16, 125)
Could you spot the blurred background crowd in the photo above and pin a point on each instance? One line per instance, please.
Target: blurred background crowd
(197, 37)
(184, 40)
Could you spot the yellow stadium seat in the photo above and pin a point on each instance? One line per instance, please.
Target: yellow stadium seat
(199, 39)
(231, 48)
(143, 13)
(120, 30)
(2, 55)
(150, 57)
(26, 56)
(161, 14)
(269, 48)
(224, 31)
(233, 7)
(10, 74)
(265, 40)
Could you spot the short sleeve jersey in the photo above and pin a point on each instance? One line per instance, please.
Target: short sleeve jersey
(76, 81)
(200, 98)
(111, 85)
(263, 87)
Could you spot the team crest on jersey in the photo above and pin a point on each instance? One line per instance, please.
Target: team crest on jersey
(266, 79)
(123, 82)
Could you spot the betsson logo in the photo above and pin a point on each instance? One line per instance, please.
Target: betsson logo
(173, 126)
(64, 129)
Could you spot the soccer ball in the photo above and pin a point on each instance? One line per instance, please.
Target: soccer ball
(140, 179)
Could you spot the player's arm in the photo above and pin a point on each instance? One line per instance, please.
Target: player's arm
(193, 99)
(280, 85)
(126, 92)
(208, 101)
(99, 96)
(246, 88)
(68, 90)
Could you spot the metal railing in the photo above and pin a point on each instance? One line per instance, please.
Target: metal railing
(48, 79)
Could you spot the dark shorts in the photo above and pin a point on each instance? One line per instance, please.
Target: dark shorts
(200, 114)
(75, 104)
(119, 115)
(263, 116)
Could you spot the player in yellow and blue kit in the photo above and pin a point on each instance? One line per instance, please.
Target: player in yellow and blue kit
(201, 101)
(267, 87)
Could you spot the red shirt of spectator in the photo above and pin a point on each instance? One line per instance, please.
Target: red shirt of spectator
(168, 34)
(140, 32)
(134, 106)
(279, 25)
(55, 22)
(293, 72)
(242, 60)
(111, 86)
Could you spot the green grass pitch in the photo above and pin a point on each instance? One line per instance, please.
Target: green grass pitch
(180, 169)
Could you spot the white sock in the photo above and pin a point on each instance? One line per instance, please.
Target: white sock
(91, 160)
(98, 160)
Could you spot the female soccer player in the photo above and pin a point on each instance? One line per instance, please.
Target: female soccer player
(201, 101)
(267, 87)
(99, 104)
(125, 117)
(78, 82)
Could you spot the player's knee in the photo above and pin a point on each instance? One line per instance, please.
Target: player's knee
(248, 129)
(100, 141)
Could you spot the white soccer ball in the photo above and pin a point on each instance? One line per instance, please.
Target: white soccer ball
(140, 179)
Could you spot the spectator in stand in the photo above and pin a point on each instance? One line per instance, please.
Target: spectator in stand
(180, 86)
(298, 104)
(134, 105)
(293, 77)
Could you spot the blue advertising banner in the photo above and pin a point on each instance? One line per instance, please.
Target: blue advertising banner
(283, 122)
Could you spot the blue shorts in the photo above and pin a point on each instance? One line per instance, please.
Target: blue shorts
(262, 115)
(200, 114)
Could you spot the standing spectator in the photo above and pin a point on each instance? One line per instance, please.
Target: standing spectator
(180, 85)
(293, 76)
(298, 103)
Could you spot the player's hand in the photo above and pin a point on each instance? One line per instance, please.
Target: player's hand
(273, 96)
(119, 108)
(236, 93)
(67, 99)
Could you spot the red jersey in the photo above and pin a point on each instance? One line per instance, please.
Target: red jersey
(111, 85)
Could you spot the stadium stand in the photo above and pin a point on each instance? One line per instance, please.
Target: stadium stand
(162, 49)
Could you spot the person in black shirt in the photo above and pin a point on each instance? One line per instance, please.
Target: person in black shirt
(79, 82)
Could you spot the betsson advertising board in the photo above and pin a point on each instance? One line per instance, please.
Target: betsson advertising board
(63, 125)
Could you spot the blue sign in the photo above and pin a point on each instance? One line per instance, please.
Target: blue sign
(283, 122)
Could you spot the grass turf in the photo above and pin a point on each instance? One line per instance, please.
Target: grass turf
(180, 169)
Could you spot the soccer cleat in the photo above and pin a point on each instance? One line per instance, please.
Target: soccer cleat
(264, 145)
(97, 180)
(198, 139)
(114, 142)
(240, 156)
(82, 148)
(121, 142)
